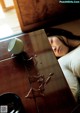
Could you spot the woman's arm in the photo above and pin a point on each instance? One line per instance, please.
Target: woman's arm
(70, 65)
(65, 64)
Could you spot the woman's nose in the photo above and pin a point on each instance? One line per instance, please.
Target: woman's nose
(54, 48)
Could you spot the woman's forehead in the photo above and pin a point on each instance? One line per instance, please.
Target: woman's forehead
(53, 37)
(61, 38)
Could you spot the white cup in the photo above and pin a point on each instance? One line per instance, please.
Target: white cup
(15, 46)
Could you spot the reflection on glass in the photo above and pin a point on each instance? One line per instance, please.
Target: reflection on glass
(8, 3)
(9, 24)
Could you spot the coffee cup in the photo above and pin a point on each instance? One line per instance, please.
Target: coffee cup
(15, 46)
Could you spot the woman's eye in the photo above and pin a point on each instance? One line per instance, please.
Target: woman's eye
(51, 41)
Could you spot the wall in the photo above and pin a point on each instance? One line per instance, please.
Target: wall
(73, 26)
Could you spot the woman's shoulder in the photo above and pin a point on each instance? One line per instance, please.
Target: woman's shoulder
(71, 57)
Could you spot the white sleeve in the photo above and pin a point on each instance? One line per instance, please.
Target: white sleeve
(70, 65)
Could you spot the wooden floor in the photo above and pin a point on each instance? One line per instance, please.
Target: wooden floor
(9, 24)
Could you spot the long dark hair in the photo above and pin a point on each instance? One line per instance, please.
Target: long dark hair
(58, 31)
(61, 32)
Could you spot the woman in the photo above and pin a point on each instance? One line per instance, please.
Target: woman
(66, 48)
(62, 41)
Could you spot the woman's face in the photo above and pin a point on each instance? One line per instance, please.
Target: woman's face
(59, 48)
